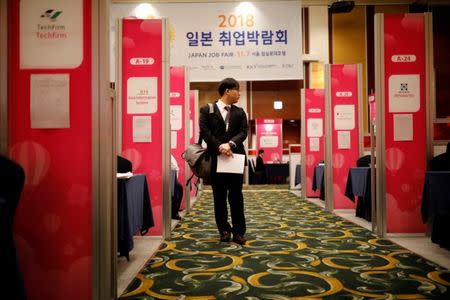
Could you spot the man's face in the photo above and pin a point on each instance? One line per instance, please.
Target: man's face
(233, 95)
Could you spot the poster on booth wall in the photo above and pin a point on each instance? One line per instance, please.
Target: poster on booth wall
(142, 93)
(176, 119)
(53, 29)
(49, 101)
(269, 138)
(314, 127)
(404, 93)
(344, 117)
(142, 129)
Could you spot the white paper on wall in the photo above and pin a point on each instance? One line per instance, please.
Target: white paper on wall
(268, 141)
(403, 127)
(314, 144)
(173, 139)
(344, 117)
(49, 101)
(142, 129)
(176, 117)
(343, 139)
(315, 127)
(142, 95)
(404, 93)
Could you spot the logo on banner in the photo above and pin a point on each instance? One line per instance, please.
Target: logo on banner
(49, 28)
(314, 110)
(51, 14)
(51, 31)
(404, 93)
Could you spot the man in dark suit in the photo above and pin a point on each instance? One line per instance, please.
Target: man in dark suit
(260, 162)
(224, 132)
(260, 168)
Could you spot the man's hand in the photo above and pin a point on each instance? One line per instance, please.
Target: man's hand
(225, 149)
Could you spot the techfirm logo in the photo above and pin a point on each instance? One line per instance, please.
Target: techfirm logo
(52, 14)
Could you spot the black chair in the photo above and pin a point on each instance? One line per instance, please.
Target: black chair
(259, 176)
(123, 165)
(363, 161)
(441, 162)
(12, 179)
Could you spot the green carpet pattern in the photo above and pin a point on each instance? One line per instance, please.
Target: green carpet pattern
(295, 250)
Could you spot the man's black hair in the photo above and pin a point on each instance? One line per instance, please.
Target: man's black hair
(228, 83)
(260, 151)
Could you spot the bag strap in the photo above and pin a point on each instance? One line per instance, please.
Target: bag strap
(188, 182)
(211, 108)
(211, 111)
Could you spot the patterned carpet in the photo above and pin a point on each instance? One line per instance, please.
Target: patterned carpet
(296, 250)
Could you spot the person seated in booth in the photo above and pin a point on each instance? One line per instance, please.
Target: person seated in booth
(260, 161)
(260, 168)
(441, 162)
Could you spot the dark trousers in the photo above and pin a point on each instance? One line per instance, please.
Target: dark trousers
(176, 198)
(229, 186)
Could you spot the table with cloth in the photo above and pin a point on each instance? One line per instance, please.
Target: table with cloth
(359, 185)
(318, 180)
(134, 212)
(436, 205)
(277, 173)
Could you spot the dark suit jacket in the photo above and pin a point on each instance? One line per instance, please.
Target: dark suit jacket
(12, 179)
(213, 129)
(260, 164)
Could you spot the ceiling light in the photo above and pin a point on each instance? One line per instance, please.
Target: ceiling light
(277, 104)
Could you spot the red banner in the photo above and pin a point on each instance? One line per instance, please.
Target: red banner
(142, 105)
(53, 221)
(178, 121)
(269, 138)
(344, 128)
(315, 127)
(405, 120)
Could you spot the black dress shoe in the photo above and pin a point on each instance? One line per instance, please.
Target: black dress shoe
(176, 216)
(225, 236)
(239, 239)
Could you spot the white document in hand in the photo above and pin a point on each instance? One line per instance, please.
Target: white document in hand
(231, 164)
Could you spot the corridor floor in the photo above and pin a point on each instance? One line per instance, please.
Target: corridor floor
(295, 249)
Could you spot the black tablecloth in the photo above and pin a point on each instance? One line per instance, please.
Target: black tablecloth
(318, 180)
(298, 175)
(358, 184)
(277, 173)
(134, 212)
(436, 205)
